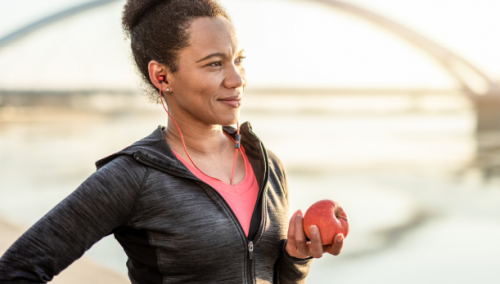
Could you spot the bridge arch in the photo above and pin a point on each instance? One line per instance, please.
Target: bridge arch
(38, 24)
(472, 80)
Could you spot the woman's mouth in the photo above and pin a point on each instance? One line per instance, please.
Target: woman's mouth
(233, 101)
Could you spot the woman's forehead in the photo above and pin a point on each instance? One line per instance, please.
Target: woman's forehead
(212, 35)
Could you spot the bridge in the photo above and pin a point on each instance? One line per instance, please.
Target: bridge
(483, 92)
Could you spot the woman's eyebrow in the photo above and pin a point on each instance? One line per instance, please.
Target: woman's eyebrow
(220, 54)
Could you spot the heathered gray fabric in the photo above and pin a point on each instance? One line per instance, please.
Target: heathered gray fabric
(173, 227)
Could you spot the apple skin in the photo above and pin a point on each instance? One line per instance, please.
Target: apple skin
(330, 218)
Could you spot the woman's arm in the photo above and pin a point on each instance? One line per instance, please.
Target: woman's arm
(292, 270)
(288, 269)
(99, 205)
(298, 253)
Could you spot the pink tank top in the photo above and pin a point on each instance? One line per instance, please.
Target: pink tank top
(240, 197)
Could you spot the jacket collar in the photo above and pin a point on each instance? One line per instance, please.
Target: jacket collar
(154, 151)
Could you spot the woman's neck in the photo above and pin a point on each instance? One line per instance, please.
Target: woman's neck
(206, 140)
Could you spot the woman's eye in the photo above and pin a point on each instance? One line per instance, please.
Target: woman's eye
(240, 59)
(216, 64)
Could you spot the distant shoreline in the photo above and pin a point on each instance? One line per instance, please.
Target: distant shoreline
(273, 90)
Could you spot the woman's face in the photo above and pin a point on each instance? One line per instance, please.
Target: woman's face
(208, 85)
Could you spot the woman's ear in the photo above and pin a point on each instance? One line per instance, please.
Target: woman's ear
(156, 70)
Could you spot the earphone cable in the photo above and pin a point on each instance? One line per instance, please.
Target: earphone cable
(237, 146)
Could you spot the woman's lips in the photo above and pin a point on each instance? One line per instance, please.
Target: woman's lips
(233, 102)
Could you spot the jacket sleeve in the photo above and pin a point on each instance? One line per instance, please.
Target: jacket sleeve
(99, 205)
(289, 269)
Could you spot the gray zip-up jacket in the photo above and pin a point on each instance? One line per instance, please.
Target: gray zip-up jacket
(173, 227)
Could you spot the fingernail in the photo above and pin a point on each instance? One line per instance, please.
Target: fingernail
(339, 238)
(313, 229)
(299, 213)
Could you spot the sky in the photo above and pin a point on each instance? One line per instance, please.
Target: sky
(289, 44)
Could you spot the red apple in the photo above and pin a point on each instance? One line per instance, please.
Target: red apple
(330, 218)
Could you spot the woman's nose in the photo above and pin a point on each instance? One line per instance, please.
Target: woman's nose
(235, 77)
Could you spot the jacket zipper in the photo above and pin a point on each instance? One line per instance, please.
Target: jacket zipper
(250, 246)
(250, 250)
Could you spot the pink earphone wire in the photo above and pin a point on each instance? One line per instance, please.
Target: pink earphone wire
(236, 150)
(185, 149)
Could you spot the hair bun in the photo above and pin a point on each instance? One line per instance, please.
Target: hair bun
(134, 10)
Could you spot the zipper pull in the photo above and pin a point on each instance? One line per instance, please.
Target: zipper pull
(250, 250)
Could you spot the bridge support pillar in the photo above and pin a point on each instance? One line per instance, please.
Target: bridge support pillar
(487, 158)
(487, 113)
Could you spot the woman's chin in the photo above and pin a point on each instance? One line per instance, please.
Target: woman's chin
(229, 121)
(229, 118)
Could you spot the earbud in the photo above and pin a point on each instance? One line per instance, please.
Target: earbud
(161, 78)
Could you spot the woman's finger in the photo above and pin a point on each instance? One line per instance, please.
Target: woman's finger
(300, 237)
(315, 247)
(337, 245)
(290, 245)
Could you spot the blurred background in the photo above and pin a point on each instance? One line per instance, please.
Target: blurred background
(397, 104)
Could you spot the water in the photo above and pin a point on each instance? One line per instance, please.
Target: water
(414, 218)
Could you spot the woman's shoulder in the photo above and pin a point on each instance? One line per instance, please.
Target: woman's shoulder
(273, 158)
(121, 162)
(275, 163)
(122, 167)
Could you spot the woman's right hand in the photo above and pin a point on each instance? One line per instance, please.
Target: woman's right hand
(298, 246)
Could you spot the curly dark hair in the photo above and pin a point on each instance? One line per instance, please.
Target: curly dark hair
(158, 31)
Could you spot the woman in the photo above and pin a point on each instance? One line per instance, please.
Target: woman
(187, 204)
